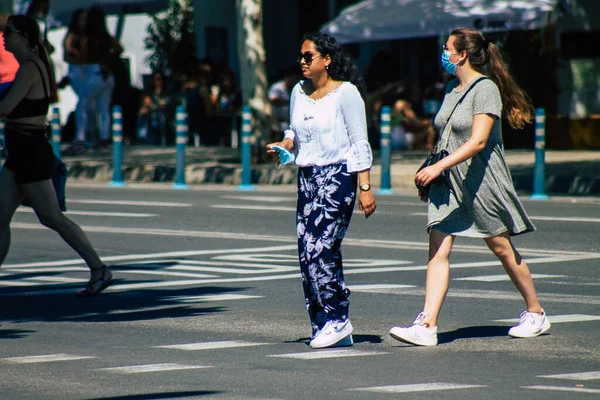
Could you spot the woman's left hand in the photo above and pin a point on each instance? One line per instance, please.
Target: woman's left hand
(366, 203)
(425, 176)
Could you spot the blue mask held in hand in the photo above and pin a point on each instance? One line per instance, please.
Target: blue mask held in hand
(285, 157)
(448, 66)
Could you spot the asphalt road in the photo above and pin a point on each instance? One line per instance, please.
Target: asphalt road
(208, 304)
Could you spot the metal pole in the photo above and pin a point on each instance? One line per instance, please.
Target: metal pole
(246, 150)
(539, 173)
(385, 151)
(181, 138)
(117, 131)
(55, 126)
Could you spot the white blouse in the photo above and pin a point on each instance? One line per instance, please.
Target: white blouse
(331, 130)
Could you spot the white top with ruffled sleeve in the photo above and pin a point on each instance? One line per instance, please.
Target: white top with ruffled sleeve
(331, 130)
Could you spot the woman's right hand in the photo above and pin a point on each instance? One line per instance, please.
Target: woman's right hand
(286, 143)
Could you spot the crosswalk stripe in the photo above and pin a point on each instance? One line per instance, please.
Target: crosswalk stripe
(422, 387)
(97, 213)
(557, 319)
(56, 279)
(369, 288)
(562, 389)
(214, 297)
(130, 203)
(537, 217)
(211, 345)
(266, 199)
(316, 355)
(43, 359)
(503, 277)
(251, 207)
(137, 369)
(577, 376)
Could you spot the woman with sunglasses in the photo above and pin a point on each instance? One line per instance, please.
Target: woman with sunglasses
(328, 136)
(479, 199)
(28, 168)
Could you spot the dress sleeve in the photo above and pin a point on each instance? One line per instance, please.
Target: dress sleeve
(360, 156)
(290, 132)
(487, 99)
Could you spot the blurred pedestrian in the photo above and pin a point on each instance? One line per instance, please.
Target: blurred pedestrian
(28, 168)
(8, 63)
(280, 93)
(328, 135)
(102, 50)
(478, 199)
(75, 55)
(154, 110)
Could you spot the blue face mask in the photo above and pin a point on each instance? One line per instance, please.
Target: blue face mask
(448, 66)
(285, 157)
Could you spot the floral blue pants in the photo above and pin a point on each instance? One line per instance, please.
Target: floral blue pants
(326, 197)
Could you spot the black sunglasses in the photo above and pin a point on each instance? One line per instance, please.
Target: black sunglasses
(308, 57)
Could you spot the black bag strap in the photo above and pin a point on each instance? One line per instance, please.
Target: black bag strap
(456, 105)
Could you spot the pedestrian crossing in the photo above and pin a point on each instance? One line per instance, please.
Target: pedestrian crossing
(89, 363)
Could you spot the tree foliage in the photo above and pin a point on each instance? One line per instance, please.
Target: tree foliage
(171, 38)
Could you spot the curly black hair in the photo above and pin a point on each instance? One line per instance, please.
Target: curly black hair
(341, 68)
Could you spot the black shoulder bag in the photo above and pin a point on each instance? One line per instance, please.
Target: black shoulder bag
(436, 155)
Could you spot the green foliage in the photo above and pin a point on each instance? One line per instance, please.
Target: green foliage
(171, 38)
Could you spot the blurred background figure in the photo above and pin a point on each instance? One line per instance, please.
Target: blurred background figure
(103, 52)
(8, 63)
(194, 91)
(279, 95)
(155, 112)
(225, 97)
(408, 130)
(75, 54)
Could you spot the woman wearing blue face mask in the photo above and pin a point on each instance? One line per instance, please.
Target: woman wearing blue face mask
(328, 136)
(478, 199)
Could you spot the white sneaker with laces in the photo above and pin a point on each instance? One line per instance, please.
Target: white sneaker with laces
(531, 325)
(417, 334)
(333, 333)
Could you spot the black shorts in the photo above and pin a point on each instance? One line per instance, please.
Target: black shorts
(30, 155)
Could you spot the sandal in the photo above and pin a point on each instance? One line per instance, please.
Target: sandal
(95, 286)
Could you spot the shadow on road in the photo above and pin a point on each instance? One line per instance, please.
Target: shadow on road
(14, 333)
(473, 332)
(60, 303)
(159, 396)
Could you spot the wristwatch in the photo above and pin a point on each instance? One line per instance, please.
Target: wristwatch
(365, 187)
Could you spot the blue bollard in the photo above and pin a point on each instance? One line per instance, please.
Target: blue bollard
(246, 150)
(539, 173)
(181, 137)
(117, 131)
(55, 127)
(386, 155)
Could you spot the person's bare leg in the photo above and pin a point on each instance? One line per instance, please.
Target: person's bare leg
(42, 198)
(11, 196)
(438, 275)
(516, 268)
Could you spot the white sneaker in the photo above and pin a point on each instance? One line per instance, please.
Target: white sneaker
(332, 334)
(417, 334)
(531, 325)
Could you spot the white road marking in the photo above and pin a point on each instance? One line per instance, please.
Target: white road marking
(96, 213)
(423, 387)
(249, 207)
(56, 279)
(369, 288)
(43, 359)
(562, 389)
(540, 218)
(317, 355)
(211, 345)
(130, 203)
(372, 243)
(577, 376)
(504, 277)
(266, 199)
(557, 319)
(137, 369)
(164, 272)
(214, 297)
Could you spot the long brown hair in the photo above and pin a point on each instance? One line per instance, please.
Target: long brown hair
(481, 54)
(29, 27)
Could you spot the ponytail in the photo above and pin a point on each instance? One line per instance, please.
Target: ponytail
(481, 54)
(43, 55)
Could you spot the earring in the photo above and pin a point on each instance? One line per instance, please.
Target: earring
(327, 67)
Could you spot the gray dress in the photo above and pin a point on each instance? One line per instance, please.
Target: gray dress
(482, 201)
